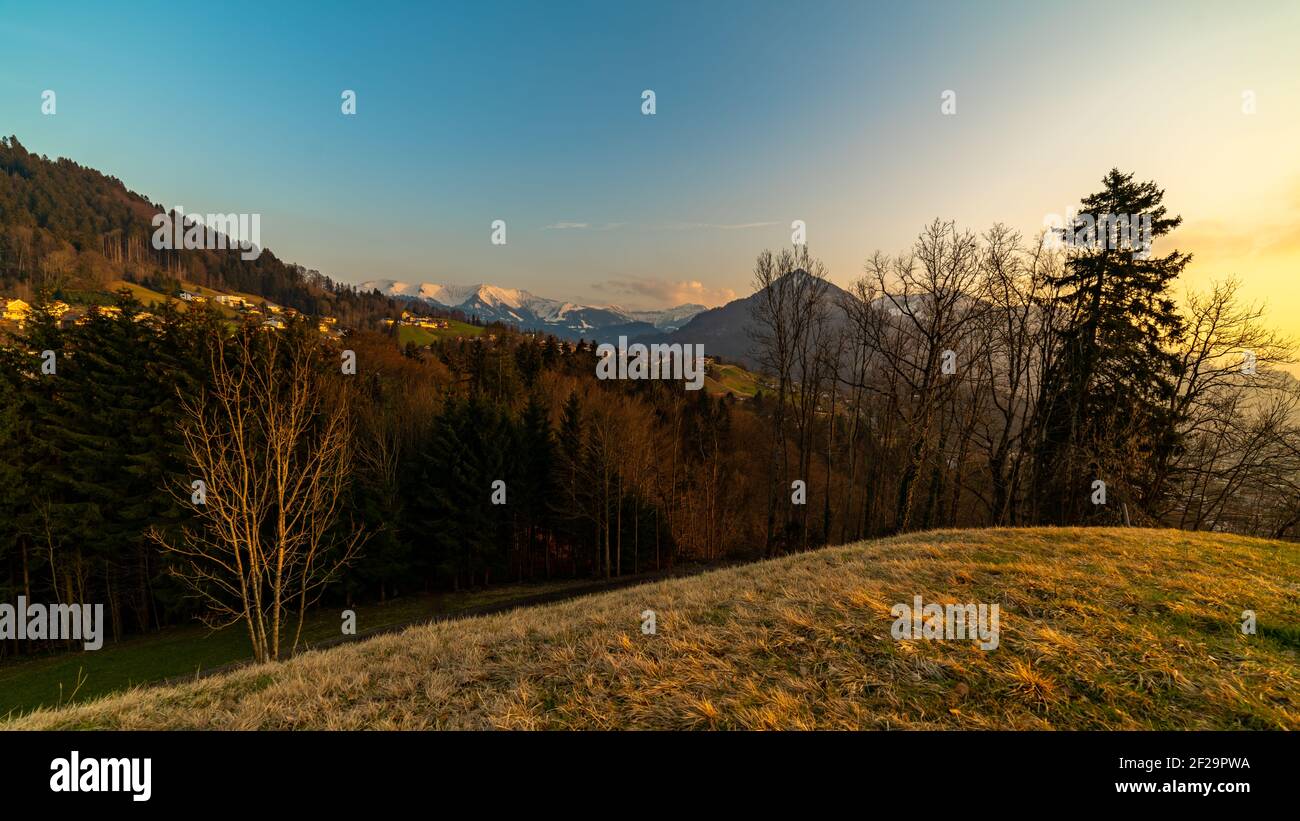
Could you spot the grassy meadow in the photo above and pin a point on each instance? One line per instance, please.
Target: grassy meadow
(62, 678)
(1120, 629)
(722, 379)
(427, 336)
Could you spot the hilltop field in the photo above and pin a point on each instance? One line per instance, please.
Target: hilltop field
(1100, 629)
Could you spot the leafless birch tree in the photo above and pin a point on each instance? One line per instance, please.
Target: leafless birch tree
(271, 439)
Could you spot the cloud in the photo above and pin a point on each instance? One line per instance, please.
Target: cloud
(1265, 234)
(583, 226)
(1221, 240)
(573, 225)
(737, 226)
(667, 293)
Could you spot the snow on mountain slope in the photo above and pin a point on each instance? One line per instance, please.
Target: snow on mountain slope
(492, 303)
(669, 319)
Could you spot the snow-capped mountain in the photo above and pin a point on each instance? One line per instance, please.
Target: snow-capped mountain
(669, 319)
(491, 303)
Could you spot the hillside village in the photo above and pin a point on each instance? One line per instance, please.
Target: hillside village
(18, 312)
(410, 320)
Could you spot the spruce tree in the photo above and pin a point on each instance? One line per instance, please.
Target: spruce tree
(535, 466)
(570, 495)
(1106, 395)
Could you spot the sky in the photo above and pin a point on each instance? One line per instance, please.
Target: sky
(765, 113)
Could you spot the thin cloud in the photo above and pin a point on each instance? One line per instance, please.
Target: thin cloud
(1214, 238)
(583, 226)
(718, 226)
(667, 293)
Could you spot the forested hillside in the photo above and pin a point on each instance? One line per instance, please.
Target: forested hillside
(602, 479)
(65, 227)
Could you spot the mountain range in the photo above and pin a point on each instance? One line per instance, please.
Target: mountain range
(492, 303)
(723, 331)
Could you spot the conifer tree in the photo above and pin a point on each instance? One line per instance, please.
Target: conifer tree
(1106, 396)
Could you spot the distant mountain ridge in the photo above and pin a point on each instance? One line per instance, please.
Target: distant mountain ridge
(493, 303)
(726, 331)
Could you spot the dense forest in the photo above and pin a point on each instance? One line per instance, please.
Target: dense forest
(974, 380)
(600, 478)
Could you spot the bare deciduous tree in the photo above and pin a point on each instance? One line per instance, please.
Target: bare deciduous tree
(272, 441)
(925, 307)
(789, 327)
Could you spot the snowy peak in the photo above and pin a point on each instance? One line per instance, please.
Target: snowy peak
(507, 297)
(451, 296)
(669, 319)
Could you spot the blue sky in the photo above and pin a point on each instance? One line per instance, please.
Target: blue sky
(766, 113)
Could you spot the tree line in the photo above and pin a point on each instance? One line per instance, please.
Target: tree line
(472, 462)
(987, 379)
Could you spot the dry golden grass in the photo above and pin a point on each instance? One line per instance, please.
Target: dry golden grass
(1101, 629)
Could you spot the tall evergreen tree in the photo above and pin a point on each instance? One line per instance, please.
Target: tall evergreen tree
(535, 466)
(568, 501)
(1106, 394)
